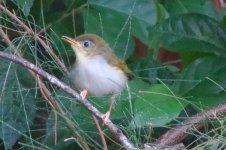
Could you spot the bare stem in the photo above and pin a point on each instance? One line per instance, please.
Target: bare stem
(100, 133)
(180, 132)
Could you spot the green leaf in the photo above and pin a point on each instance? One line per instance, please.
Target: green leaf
(25, 78)
(189, 57)
(190, 32)
(123, 107)
(117, 21)
(24, 5)
(151, 70)
(162, 14)
(207, 101)
(70, 4)
(60, 29)
(129, 8)
(156, 106)
(41, 10)
(205, 76)
(65, 27)
(17, 105)
(63, 131)
(204, 7)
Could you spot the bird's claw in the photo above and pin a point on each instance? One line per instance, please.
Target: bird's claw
(105, 117)
(83, 94)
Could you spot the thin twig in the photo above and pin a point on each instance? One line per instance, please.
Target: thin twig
(47, 95)
(55, 128)
(180, 132)
(9, 43)
(49, 101)
(29, 31)
(63, 17)
(44, 94)
(114, 130)
(100, 133)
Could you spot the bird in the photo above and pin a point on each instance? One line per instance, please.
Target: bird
(97, 71)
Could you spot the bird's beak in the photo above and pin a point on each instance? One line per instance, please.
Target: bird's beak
(71, 41)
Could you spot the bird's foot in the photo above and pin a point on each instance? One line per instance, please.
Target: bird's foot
(83, 94)
(105, 117)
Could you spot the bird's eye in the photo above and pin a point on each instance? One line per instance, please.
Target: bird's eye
(87, 43)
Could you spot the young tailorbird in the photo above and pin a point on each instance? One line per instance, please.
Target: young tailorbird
(97, 70)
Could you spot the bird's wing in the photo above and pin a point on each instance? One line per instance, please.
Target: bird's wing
(120, 64)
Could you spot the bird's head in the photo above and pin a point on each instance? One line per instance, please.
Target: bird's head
(87, 46)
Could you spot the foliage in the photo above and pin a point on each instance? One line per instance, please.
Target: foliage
(160, 91)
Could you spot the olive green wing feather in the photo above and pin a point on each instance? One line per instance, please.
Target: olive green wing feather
(119, 63)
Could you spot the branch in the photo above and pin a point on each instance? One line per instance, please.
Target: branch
(101, 133)
(180, 132)
(114, 130)
(47, 95)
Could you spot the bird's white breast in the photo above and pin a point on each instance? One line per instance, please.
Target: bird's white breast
(97, 77)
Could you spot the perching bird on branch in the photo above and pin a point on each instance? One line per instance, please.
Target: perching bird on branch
(97, 70)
